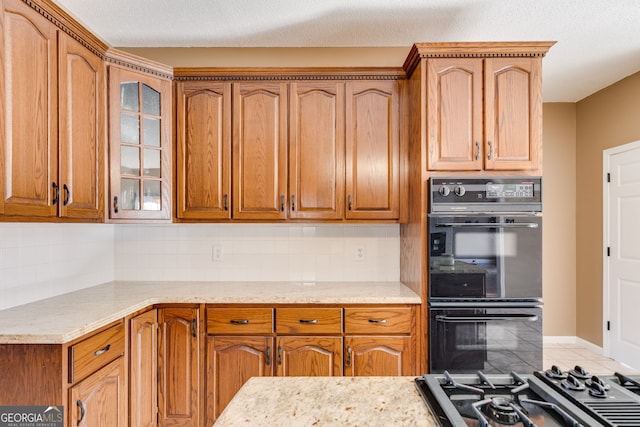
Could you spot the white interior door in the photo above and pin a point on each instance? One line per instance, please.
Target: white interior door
(622, 266)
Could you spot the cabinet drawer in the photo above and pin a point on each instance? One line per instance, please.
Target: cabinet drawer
(239, 321)
(383, 320)
(95, 352)
(309, 321)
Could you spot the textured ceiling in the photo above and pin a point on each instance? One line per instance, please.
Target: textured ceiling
(598, 41)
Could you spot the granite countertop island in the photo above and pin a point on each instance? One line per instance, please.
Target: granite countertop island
(327, 401)
(63, 318)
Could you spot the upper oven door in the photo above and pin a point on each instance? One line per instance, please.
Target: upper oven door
(473, 257)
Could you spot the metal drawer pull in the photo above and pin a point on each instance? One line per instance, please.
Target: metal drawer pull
(377, 320)
(82, 410)
(309, 321)
(488, 225)
(102, 350)
(239, 322)
(506, 317)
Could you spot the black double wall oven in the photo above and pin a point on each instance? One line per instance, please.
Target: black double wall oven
(485, 274)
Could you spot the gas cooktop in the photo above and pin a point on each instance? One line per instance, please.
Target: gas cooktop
(544, 398)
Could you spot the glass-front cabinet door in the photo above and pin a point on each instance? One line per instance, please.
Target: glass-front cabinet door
(140, 145)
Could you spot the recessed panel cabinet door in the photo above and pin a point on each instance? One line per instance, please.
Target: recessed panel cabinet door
(308, 356)
(82, 133)
(143, 370)
(100, 399)
(204, 150)
(178, 367)
(260, 150)
(372, 150)
(454, 114)
(316, 150)
(231, 362)
(379, 356)
(513, 113)
(28, 138)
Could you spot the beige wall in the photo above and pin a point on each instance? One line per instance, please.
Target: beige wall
(606, 119)
(559, 232)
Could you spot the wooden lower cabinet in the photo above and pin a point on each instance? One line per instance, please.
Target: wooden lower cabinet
(101, 398)
(179, 367)
(231, 361)
(308, 356)
(379, 356)
(143, 370)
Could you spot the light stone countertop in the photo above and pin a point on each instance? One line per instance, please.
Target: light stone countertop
(66, 317)
(327, 401)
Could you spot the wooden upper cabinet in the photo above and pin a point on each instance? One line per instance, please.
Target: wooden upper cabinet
(454, 114)
(316, 150)
(513, 113)
(372, 150)
(203, 150)
(29, 183)
(260, 142)
(82, 88)
(139, 145)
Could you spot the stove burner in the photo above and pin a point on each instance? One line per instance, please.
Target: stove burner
(572, 383)
(556, 373)
(501, 409)
(579, 372)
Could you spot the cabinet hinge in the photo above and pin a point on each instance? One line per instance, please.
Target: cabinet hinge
(608, 325)
(608, 177)
(608, 250)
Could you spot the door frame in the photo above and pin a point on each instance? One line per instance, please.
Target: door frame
(606, 158)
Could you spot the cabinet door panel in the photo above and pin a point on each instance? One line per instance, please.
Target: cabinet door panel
(372, 150)
(231, 362)
(28, 141)
(379, 356)
(178, 361)
(101, 399)
(316, 151)
(513, 115)
(259, 150)
(454, 114)
(139, 145)
(309, 356)
(82, 133)
(143, 370)
(204, 150)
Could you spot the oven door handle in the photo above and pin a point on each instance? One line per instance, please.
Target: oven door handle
(467, 319)
(488, 225)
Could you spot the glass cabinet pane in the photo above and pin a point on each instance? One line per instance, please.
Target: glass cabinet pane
(130, 194)
(151, 200)
(129, 128)
(151, 131)
(151, 162)
(150, 101)
(130, 161)
(129, 96)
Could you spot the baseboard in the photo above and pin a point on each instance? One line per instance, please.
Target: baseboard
(572, 340)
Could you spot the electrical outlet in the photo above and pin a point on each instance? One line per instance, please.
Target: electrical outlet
(359, 255)
(218, 254)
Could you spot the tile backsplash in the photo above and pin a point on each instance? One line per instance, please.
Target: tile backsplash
(258, 252)
(40, 260)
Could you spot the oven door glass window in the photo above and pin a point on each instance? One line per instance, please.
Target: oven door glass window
(488, 339)
(489, 257)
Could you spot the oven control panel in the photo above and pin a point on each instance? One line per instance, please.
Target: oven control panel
(485, 194)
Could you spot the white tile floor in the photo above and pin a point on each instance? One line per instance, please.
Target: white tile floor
(567, 356)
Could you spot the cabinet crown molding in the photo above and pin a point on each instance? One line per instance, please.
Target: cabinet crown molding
(279, 74)
(474, 50)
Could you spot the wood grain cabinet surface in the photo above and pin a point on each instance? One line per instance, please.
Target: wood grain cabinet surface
(52, 134)
(484, 114)
(143, 369)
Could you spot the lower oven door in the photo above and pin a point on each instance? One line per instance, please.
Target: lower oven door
(493, 340)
